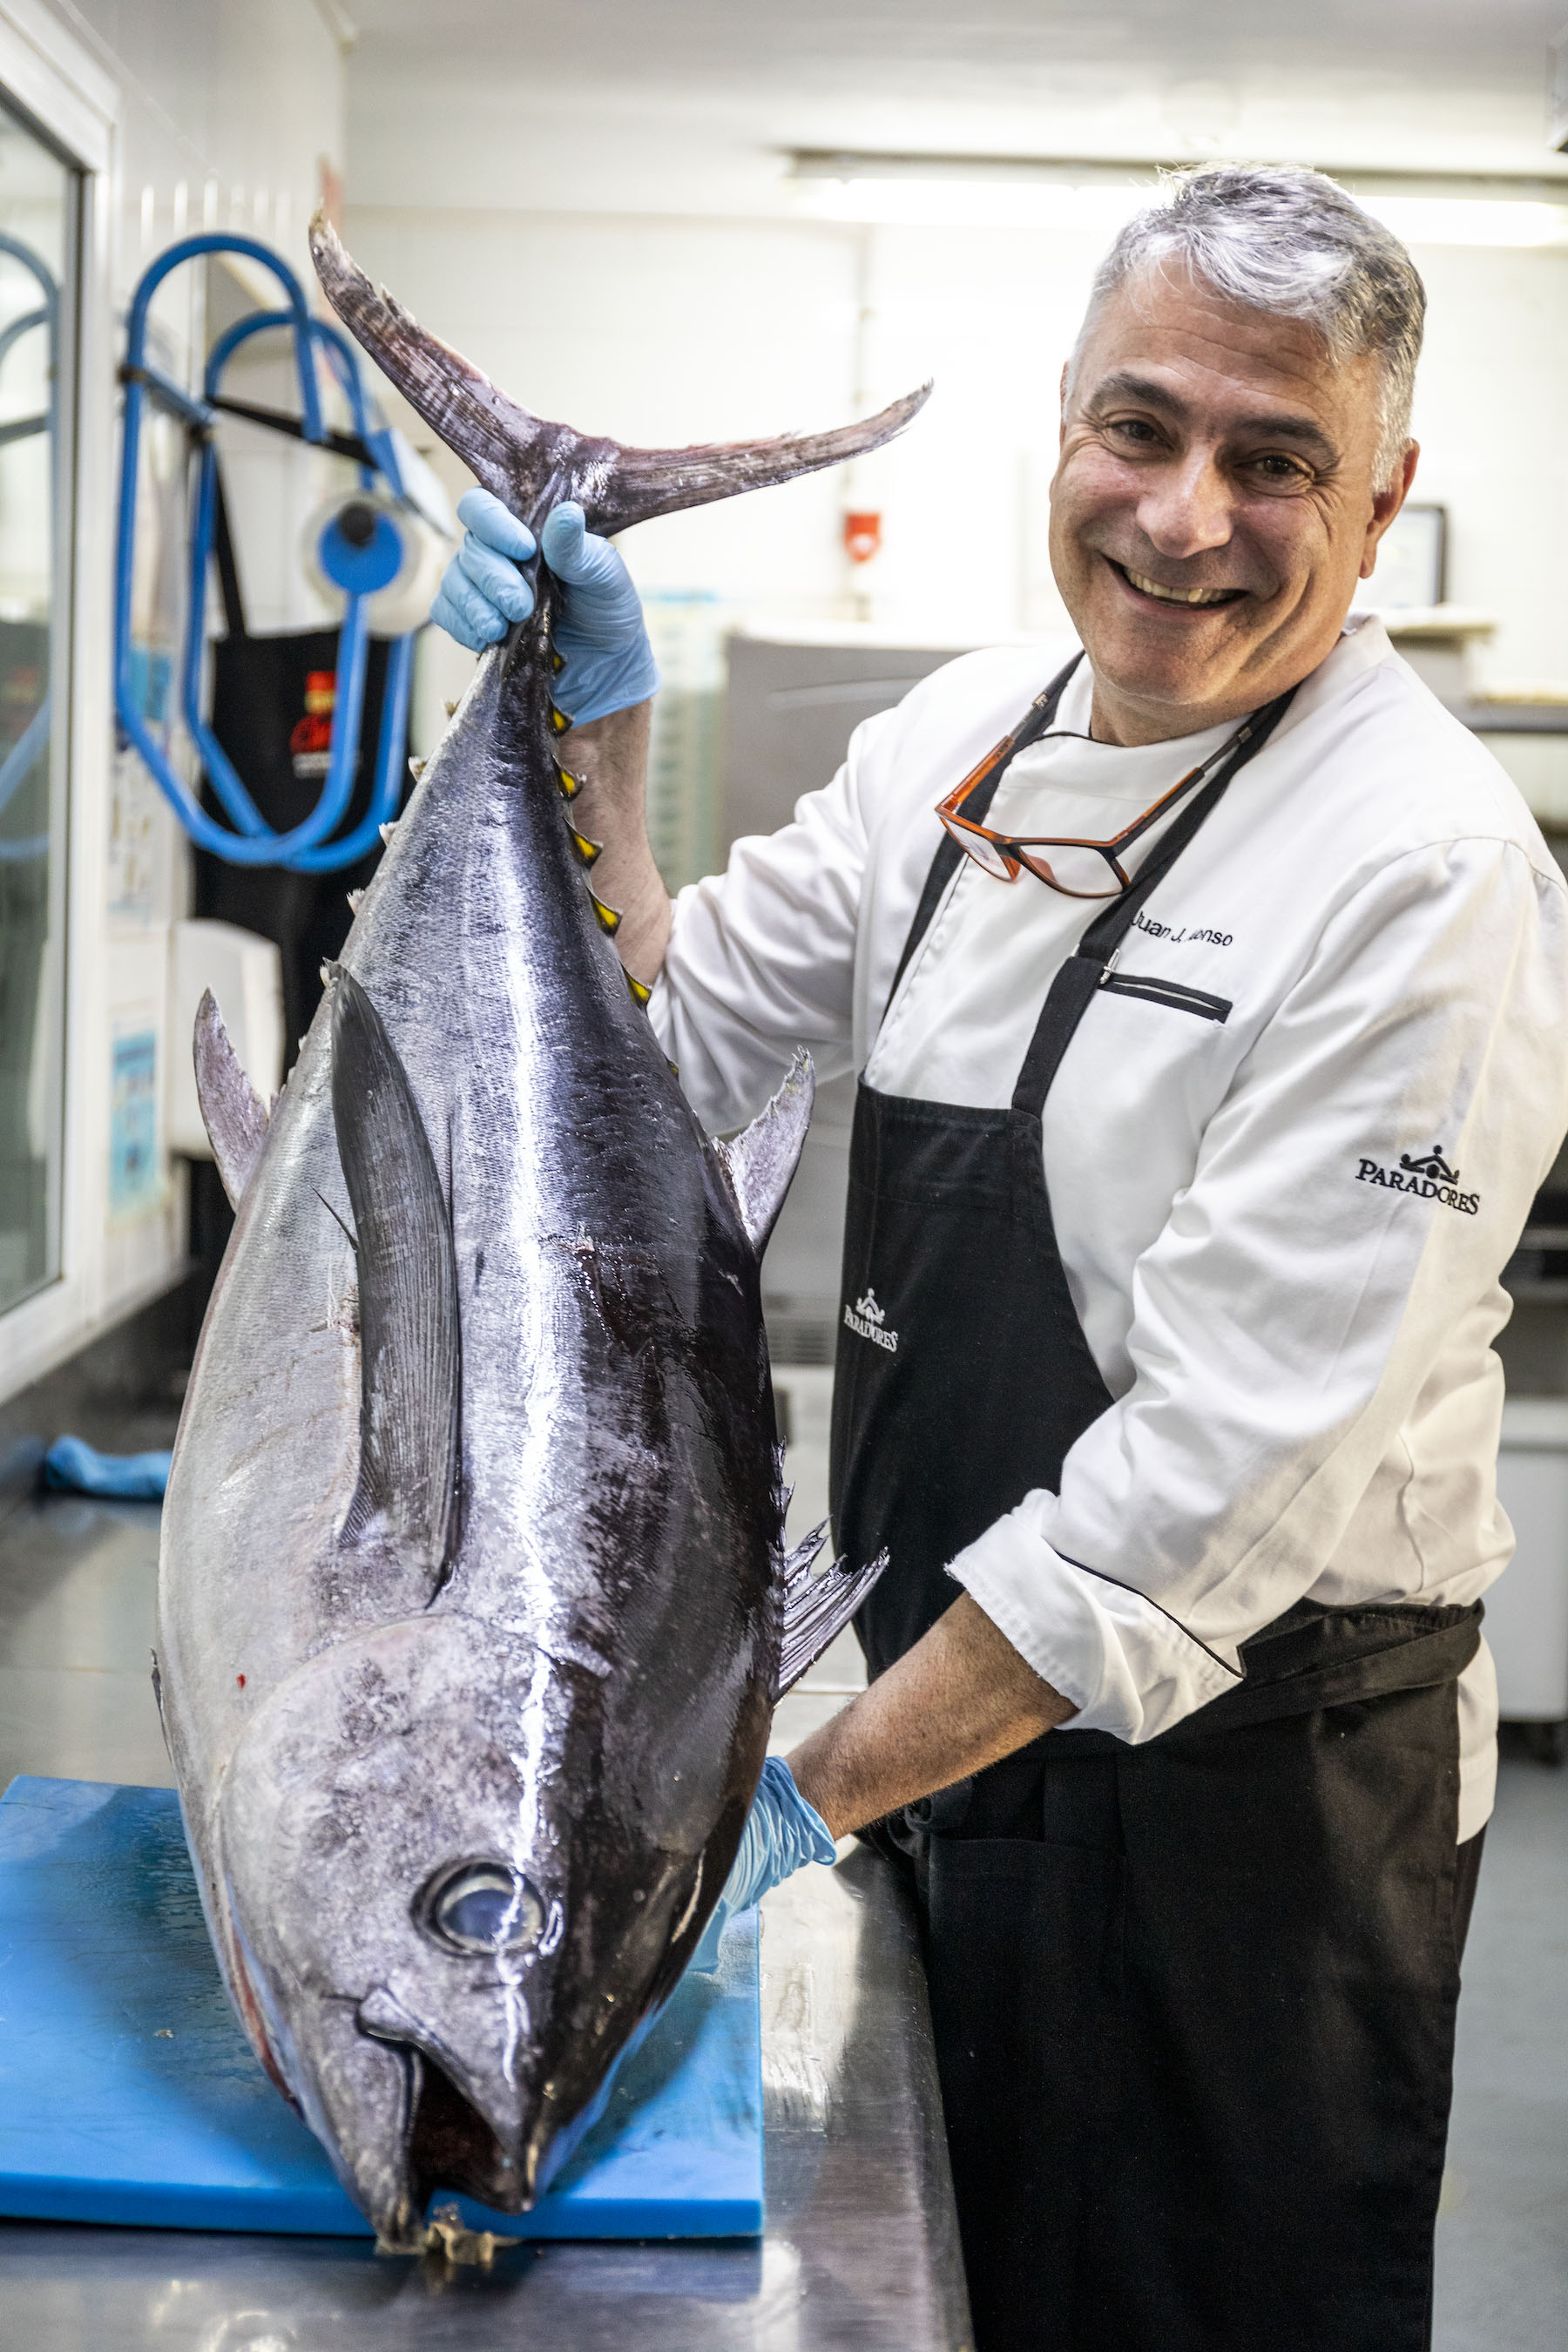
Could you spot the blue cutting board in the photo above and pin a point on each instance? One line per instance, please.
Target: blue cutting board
(128, 2093)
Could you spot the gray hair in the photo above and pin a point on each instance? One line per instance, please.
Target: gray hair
(1276, 238)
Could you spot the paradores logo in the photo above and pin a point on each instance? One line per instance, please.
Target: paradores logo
(1430, 1177)
(869, 1321)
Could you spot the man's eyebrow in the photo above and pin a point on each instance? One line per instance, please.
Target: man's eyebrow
(1304, 432)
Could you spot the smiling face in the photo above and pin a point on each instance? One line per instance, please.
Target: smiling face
(1213, 504)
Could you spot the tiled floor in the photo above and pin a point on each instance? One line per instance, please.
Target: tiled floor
(77, 1591)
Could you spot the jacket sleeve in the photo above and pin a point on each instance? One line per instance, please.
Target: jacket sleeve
(761, 956)
(1307, 1283)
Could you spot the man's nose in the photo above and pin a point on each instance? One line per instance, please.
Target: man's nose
(1186, 506)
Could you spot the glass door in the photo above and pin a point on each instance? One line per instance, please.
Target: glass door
(39, 210)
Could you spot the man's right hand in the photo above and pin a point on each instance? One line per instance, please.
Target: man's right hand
(599, 632)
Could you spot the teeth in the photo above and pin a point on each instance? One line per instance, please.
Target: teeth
(1178, 595)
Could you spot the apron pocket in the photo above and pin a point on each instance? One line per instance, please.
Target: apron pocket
(1173, 993)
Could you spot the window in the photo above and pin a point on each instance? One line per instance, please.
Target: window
(39, 210)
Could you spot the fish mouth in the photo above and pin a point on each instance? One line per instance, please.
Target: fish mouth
(1158, 592)
(452, 2145)
(398, 2125)
(443, 2143)
(475, 2132)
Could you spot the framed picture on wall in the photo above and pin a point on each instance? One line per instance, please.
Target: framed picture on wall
(1412, 563)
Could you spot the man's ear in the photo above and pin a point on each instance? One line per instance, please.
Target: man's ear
(1385, 505)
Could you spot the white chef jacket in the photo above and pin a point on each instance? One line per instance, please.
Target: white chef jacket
(1282, 1230)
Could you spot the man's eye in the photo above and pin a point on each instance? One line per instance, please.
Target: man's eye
(1276, 468)
(1136, 429)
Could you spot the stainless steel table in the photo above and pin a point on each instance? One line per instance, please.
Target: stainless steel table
(861, 2248)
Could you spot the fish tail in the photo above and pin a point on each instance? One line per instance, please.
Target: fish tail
(531, 464)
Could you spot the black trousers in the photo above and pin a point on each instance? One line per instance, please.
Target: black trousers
(1466, 1874)
(1193, 2006)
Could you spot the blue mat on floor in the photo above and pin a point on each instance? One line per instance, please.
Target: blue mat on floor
(128, 2093)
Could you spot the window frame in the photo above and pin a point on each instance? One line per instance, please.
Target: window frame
(55, 83)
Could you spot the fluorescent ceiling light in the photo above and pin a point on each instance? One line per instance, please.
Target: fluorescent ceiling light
(941, 197)
(1469, 220)
(949, 191)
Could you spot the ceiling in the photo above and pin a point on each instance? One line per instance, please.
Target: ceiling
(1433, 85)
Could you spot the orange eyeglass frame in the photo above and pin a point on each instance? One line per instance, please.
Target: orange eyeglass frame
(1013, 851)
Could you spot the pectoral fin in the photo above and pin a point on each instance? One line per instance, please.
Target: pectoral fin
(232, 1113)
(815, 1608)
(761, 1163)
(410, 1344)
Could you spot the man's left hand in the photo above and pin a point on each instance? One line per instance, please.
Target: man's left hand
(960, 1699)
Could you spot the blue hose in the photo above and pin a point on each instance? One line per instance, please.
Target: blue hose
(247, 839)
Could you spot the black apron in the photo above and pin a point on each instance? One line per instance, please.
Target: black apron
(1193, 1999)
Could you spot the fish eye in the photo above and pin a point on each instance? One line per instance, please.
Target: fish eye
(481, 1906)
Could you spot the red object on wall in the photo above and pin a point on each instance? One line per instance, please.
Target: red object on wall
(314, 732)
(862, 535)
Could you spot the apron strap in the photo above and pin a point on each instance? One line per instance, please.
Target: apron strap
(222, 549)
(949, 857)
(1082, 972)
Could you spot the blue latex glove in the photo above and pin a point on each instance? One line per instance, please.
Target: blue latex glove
(73, 1467)
(599, 631)
(782, 1832)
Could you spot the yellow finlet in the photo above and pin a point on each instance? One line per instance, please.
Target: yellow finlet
(559, 721)
(609, 920)
(640, 989)
(587, 850)
(570, 785)
(558, 661)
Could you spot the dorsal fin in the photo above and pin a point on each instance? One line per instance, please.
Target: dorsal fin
(531, 464)
(760, 1162)
(232, 1113)
(410, 1348)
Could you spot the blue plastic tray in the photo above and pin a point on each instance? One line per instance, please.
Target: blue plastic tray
(128, 2093)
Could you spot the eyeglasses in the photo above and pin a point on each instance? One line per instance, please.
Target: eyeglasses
(1077, 868)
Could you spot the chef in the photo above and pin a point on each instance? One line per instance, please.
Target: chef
(1207, 996)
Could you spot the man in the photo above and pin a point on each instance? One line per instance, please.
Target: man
(1211, 1050)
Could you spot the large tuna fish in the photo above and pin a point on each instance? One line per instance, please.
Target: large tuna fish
(473, 1603)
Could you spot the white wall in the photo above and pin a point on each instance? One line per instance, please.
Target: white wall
(247, 95)
(213, 115)
(653, 330)
(656, 328)
(1489, 399)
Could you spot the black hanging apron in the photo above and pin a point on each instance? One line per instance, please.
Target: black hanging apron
(1193, 2000)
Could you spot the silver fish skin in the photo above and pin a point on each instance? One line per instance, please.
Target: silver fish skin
(473, 1603)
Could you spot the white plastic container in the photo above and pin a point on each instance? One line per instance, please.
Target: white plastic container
(1527, 1609)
